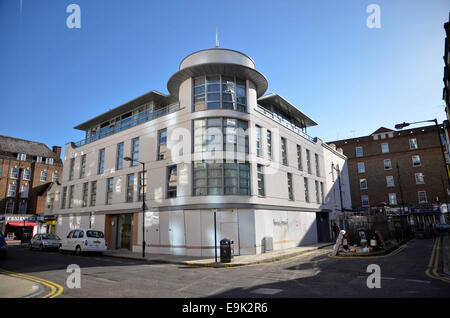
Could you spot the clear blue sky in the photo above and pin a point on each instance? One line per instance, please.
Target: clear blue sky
(319, 55)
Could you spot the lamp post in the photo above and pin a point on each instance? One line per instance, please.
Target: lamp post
(404, 124)
(143, 202)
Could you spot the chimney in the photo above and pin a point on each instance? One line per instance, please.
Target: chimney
(57, 151)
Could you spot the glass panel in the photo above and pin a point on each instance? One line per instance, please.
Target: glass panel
(214, 88)
(213, 79)
(213, 97)
(199, 90)
(213, 105)
(199, 81)
(200, 98)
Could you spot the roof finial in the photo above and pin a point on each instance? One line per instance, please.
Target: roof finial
(217, 38)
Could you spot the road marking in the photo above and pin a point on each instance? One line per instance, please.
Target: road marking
(55, 289)
(433, 264)
(266, 291)
(398, 250)
(419, 281)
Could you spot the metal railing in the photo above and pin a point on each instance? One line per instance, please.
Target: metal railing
(130, 122)
(279, 119)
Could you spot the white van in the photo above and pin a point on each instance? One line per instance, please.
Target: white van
(83, 240)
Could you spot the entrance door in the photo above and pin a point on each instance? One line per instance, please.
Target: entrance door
(124, 231)
(323, 230)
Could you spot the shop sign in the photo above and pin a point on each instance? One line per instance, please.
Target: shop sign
(280, 223)
(21, 219)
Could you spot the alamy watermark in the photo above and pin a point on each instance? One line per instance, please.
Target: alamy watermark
(73, 21)
(74, 278)
(374, 279)
(374, 19)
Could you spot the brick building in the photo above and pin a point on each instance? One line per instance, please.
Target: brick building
(27, 169)
(396, 168)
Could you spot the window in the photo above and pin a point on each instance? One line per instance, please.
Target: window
(83, 166)
(218, 178)
(305, 184)
(308, 161)
(44, 175)
(387, 164)
(27, 174)
(12, 190)
(260, 172)
(258, 141)
(217, 134)
(317, 192)
(299, 158)
(21, 156)
(14, 173)
(119, 156)
(130, 187)
(101, 161)
(142, 185)
(216, 91)
(392, 199)
(162, 144)
(134, 152)
(39, 159)
(413, 143)
(384, 147)
(363, 184)
(49, 161)
(289, 184)
(316, 160)
(269, 144)
(416, 161)
(172, 176)
(390, 181)
(24, 192)
(64, 196)
(71, 199)
(364, 200)
(22, 207)
(359, 151)
(9, 207)
(109, 190)
(85, 194)
(55, 176)
(71, 167)
(283, 151)
(419, 178)
(422, 196)
(322, 194)
(93, 193)
(361, 167)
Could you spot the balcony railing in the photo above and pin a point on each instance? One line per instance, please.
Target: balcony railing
(129, 122)
(279, 119)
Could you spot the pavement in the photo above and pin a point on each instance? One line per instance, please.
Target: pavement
(14, 287)
(243, 260)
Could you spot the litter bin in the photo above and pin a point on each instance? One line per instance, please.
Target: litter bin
(226, 250)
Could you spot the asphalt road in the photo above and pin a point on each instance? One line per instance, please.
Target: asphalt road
(403, 274)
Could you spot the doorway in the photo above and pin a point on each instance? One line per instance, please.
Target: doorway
(323, 229)
(124, 231)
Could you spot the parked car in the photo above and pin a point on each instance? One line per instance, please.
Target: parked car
(3, 247)
(83, 240)
(45, 241)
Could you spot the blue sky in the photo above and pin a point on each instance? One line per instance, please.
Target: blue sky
(320, 55)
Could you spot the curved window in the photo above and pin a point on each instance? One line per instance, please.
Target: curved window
(220, 134)
(221, 178)
(218, 91)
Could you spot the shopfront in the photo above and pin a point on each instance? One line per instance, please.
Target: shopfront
(20, 227)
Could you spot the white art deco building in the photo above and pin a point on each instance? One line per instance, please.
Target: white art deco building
(215, 143)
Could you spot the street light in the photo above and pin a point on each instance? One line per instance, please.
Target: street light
(143, 202)
(404, 124)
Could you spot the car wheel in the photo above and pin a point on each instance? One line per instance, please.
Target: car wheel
(78, 250)
(30, 246)
(41, 247)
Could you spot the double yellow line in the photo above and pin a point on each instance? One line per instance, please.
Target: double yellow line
(55, 289)
(432, 268)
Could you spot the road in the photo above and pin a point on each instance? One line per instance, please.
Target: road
(403, 274)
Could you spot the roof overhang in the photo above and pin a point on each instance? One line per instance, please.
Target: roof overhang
(227, 69)
(287, 107)
(157, 97)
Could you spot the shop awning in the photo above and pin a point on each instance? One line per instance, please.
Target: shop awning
(18, 223)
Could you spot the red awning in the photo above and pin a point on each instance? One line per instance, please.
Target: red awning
(19, 223)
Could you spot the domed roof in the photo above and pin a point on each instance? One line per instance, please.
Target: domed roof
(217, 61)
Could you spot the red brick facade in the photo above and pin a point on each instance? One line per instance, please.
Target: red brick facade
(404, 177)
